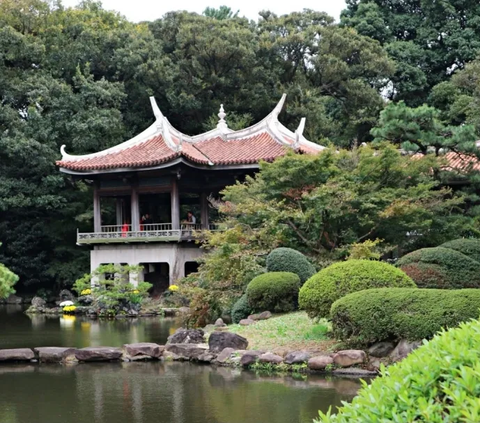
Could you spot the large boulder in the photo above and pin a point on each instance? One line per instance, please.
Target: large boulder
(38, 302)
(250, 357)
(187, 336)
(66, 295)
(218, 341)
(297, 357)
(144, 350)
(320, 362)
(246, 322)
(404, 348)
(261, 316)
(17, 354)
(381, 349)
(187, 351)
(54, 354)
(225, 355)
(270, 358)
(98, 354)
(347, 358)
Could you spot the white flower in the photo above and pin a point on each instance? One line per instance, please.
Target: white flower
(66, 303)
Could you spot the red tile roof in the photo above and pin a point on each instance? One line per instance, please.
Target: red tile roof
(462, 162)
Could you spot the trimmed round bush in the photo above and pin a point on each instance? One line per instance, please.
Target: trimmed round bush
(437, 383)
(274, 291)
(469, 247)
(401, 313)
(241, 309)
(335, 281)
(441, 268)
(290, 260)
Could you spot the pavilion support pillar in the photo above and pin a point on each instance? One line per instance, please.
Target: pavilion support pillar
(97, 214)
(135, 205)
(119, 211)
(204, 210)
(175, 204)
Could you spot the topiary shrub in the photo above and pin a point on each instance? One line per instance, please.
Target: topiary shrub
(469, 247)
(274, 291)
(327, 286)
(241, 309)
(401, 313)
(290, 260)
(441, 268)
(437, 383)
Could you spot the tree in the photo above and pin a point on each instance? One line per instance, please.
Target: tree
(7, 280)
(223, 12)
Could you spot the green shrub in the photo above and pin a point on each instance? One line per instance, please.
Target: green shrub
(290, 260)
(437, 383)
(327, 286)
(401, 313)
(241, 309)
(7, 280)
(469, 247)
(441, 268)
(274, 291)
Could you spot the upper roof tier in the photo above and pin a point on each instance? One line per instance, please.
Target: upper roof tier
(161, 145)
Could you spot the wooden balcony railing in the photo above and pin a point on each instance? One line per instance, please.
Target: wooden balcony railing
(150, 232)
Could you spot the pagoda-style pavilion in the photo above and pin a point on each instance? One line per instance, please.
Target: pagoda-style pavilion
(152, 191)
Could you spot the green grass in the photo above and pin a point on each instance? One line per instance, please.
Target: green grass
(293, 331)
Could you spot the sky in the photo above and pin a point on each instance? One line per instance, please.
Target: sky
(148, 10)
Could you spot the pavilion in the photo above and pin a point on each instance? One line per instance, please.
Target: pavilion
(144, 187)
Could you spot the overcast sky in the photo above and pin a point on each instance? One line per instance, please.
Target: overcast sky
(148, 10)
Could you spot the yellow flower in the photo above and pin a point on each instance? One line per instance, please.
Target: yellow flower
(173, 288)
(69, 309)
(136, 291)
(86, 292)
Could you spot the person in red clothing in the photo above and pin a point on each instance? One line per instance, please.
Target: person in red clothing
(125, 228)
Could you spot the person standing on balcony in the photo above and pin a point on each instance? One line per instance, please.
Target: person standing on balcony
(125, 229)
(191, 219)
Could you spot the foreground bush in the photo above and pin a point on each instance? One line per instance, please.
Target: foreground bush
(327, 286)
(469, 247)
(290, 260)
(274, 291)
(401, 313)
(442, 268)
(437, 383)
(241, 309)
(7, 280)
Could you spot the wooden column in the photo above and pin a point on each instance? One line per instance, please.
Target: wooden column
(175, 204)
(97, 214)
(135, 206)
(204, 210)
(119, 211)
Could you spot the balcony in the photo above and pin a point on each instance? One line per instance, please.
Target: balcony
(154, 232)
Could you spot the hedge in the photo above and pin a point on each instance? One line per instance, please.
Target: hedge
(241, 309)
(274, 291)
(327, 286)
(290, 260)
(469, 247)
(441, 268)
(437, 383)
(401, 313)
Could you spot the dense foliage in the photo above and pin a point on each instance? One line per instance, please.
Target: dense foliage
(442, 268)
(334, 282)
(274, 291)
(289, 260)
(437, 383)
(469, 247)
(384, 314)
(7, 280)
(241, 309)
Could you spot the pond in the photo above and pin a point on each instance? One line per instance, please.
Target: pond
(144, 392)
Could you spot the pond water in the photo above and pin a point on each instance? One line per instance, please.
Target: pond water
(171, 392)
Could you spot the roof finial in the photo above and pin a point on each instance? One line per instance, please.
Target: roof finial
(222, 124)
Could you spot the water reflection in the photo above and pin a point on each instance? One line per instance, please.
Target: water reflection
(161, 393)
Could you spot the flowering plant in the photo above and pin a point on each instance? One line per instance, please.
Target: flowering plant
(173, 288)
(87, 291)
(69, 309)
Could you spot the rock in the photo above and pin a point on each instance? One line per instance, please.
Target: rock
(66, 295)
(144, 350)
(246, 322)
(98, 354)
(320, 362)
(187, 336)
(347, 358)
(250, 357)
(222, 329)
(374, 364)
(224, 355)
(14, 299)
(206, 357)
(220, 323)
(261, 316)
(169, 356)
(85, 300)
(17, 354)
(297, 357)
(54, 354)
(354, 371)
(404, 348)
(270, 358)
(38, 302)
(218, 341)
(187, 351)
(381, 349)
